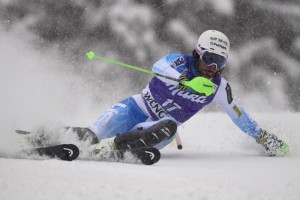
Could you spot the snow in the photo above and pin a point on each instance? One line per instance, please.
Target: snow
(225, 7)
(216, 162)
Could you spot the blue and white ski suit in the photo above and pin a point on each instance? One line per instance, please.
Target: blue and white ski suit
(162, 99)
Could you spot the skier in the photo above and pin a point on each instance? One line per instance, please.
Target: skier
(151, 117)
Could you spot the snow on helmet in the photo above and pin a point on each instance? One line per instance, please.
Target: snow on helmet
(215, 45)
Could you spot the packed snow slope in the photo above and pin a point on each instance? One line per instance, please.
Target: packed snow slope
(217, 162)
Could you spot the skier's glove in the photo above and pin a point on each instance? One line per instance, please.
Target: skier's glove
(183, 87)
(272, 144)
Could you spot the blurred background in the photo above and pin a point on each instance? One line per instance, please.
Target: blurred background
(263, 68)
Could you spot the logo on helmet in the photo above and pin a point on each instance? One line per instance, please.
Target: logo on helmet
(218, 45)
(219, 40)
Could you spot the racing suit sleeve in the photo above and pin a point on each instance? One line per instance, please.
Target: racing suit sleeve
(170, 65)
(237, 114)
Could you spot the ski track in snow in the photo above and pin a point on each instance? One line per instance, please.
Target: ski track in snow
(217, 161)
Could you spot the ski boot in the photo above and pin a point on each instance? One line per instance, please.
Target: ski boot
(272, 144)
(106, 146)
(84, 134)
(149, 137)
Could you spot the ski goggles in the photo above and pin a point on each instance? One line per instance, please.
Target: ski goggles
(212, 58)
(207, 71)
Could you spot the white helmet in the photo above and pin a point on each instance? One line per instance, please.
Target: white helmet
(212, 48)
(214, 42)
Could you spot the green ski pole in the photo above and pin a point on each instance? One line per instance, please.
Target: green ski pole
(199, 84)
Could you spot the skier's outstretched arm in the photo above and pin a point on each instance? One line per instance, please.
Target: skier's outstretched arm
(241, 118)
(238, 115)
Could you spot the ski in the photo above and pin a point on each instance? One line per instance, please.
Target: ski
(66, 152)
(146, 155)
